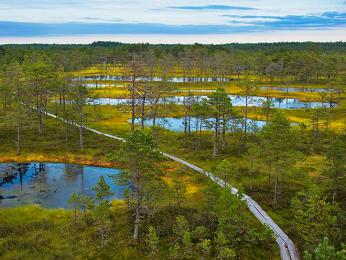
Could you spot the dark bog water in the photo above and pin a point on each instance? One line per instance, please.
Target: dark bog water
(50, 184)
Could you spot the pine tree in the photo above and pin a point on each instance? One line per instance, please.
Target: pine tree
(101, 210)
(325, 251)
(140, 153)
(220, 109)
(278, 148)
(313, 217)
(102, 190)
(226, 171)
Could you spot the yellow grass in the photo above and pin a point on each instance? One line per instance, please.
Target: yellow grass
(315, 163)
(67, 158)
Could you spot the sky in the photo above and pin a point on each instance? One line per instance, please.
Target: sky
(171, 21)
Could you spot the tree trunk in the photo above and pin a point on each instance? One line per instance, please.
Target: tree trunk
(18, 138)
(39, 115)
(137, 221)
(216, 137)
(81, 137)
(63, 100)
(133, 112)
(75, 213)
(81, 131)
(185, 127)
(155, 111)
(39, 122)
(334, 195)
(67, 125)
(189, 120)
(200, 132)
(143, 111)
(224, 125)
(137, 207)
(60, 99)
(197, 122)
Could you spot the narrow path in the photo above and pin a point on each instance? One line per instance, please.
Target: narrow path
(288, 251)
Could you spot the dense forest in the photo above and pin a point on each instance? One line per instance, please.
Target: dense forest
(303, 61)
(268, 119)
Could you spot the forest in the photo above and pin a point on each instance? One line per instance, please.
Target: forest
(141, 151)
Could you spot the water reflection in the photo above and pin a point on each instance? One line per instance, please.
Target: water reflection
(253, 101)
(50, 184)
(102, 85)
(196, 90)
(155, 79)
(194, 124)
(300, 89)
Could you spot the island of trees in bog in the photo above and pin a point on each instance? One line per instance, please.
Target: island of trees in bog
(138, 151)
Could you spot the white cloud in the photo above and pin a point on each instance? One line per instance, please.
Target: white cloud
(153, 11)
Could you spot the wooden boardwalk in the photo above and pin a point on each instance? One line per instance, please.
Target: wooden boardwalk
(288, 250)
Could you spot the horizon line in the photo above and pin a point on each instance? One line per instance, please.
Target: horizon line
(318, 36)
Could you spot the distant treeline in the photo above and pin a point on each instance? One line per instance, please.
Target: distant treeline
(302, 62)
(278, 46)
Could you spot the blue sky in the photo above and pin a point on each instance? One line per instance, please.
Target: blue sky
(172, 20)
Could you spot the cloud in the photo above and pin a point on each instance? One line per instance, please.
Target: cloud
(236, 25)
(252, 16)
(213, 7)
(91, 18)
(327, 19)
(100, 19)
(39, 4)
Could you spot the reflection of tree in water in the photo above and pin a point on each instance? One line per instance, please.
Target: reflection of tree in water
(40, 168)
(14, 171)
(39, 181)
(38, 174)
(72, 172)
(37, 170)
(23, 169)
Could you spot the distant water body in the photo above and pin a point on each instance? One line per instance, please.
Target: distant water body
(253, 101)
